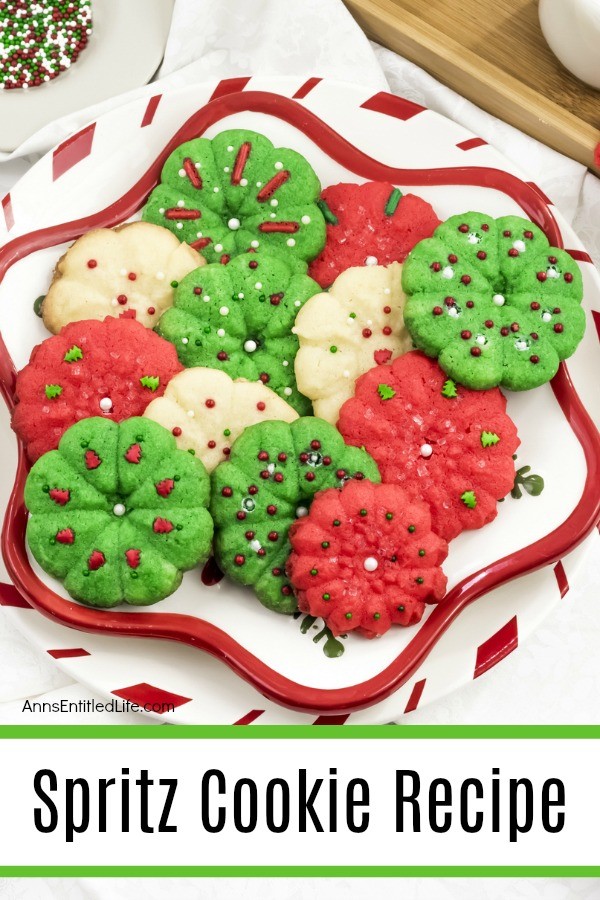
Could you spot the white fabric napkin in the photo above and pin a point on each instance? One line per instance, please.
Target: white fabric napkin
(211, 40)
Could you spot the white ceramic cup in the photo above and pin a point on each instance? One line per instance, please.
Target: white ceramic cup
(572, 29)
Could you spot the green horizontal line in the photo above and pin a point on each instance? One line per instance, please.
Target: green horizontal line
(300, 871)
(286, 732)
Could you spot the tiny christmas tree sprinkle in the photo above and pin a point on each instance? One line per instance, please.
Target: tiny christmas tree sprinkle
(53, 391)
(386, 392)
(449, 389)
(73, 354)
(489, 438)
(469, 499)
(150, 381)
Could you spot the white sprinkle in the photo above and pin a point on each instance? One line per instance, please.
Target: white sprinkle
(185, 340)
(448, 272)
(369, 321)
(240, 296)
(387, 291)
(244, 182)
(453, 312)
(297, 303)
(287, 391)
(224, 310)
(114, 301)
(346, 373)
(226, 169)
(480, 339)
(273, 216)
(301, 511)
(259, 184)
(198, 165)
(294, 330)
(198, 234)
(106, 404)
(546, 317)
(254, 244)
(285, 362)
(230, 149)
(473, 238)
(162, 210)
(218, 247)
(520, 246)
(119, 509)
(279, 165)
(182, 173)
(499, 300)
(370, 564)
(371, 261)
(181, 203)
(274, 202)
(191, 413)
(234, 224)
(258, 285)
(426, 450)
(179, 226)
(160, 276)
(250, 346)
(552, 273)
(291, 242)
(305, 220)
(215, 190)
(207, 298)
(221, 332)
(123, 272)
(255, 545)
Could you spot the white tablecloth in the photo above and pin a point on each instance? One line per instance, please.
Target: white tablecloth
(555, 676)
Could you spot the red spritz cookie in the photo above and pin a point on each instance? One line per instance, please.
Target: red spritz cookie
(368, 225)
(365, 558)
(443, 443)
(112, 368)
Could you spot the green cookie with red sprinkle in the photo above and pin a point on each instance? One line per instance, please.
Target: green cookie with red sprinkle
(493, 301)
(118, 513)
(365, 558)
(369, 224)
(273, 472)
(240, 318)
(112, 368)
(238, 193)
(440, 442)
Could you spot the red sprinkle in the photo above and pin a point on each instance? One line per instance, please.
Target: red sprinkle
(436, 266)
(96, 560)
(366, 332)
(278, 227)
(92, 263)
(470, 304)
(197, 291)
(513, 252)
(240, 161)
(122, 299)
(253, 264)
(211, 445)
(253, 489)
(162, 526)
(465, 335)
(133, 454)
(240, 515)
(276, 299)
(514, 326)
(535, 305)
(226, 492)
(481, 254)
(271, 509)
(464, 228)
(437, 310)
(60, 497)
(273, 536)
(475, 351)
(541, 276)
(271, 186)
(239, 560)
(263, 455)
(201, 243)
(151, 310)
(209, 403)
(387, 309)
(528, 234)
(222, 356)
(66, 536)
(534, 359)
(310, 476)
(453, 258)
(282, 457)
(176, 432)
(92, 460)
(559, 328)
(568, 277)
(178, 212)
(466, 279)
(192, 173)
(132, 276)
(387, 330)
(260, 406)
(164, 487)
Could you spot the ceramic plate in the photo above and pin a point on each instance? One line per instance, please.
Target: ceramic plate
(125, 50)
(229, 659)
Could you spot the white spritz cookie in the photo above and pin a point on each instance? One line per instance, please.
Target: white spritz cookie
(206, 410)
(132, 270)
(343, 333)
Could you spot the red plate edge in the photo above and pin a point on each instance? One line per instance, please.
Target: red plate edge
(201, 634)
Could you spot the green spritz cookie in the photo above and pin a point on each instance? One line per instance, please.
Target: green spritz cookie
(493, 301)
(240, 318)
(118, 513)
(237, 192)
(274, 470)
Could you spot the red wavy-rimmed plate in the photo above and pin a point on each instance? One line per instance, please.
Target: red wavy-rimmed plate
(269, 653)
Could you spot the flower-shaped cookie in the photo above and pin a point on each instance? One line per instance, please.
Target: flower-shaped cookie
(440, 442)
(344, 332)
(493, 301)
(369, 224)
(112, 368)
(237, 192)
(273, 473)
(365, 558)
(129, 271)
(118, 513)
(206, 411)
(240, 318)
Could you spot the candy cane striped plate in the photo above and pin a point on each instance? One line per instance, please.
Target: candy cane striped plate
(259, 667)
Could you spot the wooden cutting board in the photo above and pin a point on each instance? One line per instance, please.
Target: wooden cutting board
(492, 52)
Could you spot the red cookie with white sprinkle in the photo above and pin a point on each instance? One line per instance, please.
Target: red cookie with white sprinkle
(368, 225)
(365, 558)
(112, 368)
(443, 443)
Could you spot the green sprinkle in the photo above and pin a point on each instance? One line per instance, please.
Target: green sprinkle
(348, 615)
(352, 315)
(333, 349)
(389, 516)
(37, 305)
(449, 389)
(325, 545)
(73, 354)
(386, 392)
(411, 528)
(376, 615)
(326, 596)
(329, 217)
(363, 512)
(400, 608)
(174, 284)
(150, 381)
(227, 432)
(489, 438)
(53, 391)
(314, 571)
(192, 451)
(393, 200)
(421, 553)
(469, 499)
(336, 522)
(419, 580)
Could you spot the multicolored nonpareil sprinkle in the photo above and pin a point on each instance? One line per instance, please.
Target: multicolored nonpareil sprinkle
(40, 40)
